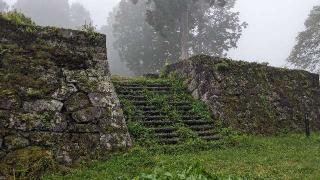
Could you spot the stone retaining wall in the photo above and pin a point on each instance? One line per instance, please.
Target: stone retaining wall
(56, 98)
(250, 97)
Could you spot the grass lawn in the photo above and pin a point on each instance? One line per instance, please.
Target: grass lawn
(285, 157)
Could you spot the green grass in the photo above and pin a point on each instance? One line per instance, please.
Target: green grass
(282, 157)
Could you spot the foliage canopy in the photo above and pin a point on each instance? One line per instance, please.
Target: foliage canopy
(149, 34)
(306, 53)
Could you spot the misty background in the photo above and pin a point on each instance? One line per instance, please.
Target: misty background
(273, 26)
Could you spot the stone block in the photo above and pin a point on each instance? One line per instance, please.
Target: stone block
(77, 101)
(43, 105)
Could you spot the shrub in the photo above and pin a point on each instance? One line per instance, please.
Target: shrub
(223, 66)
(17, 17)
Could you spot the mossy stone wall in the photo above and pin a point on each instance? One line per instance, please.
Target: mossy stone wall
(250, 97)
(56, 98)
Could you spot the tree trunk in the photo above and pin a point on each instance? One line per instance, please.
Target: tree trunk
(184, 25)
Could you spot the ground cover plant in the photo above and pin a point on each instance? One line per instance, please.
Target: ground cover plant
(235, 156)
(254, 157)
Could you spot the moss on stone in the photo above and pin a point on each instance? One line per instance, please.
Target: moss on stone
(251, 97)
(17, 69)
(9, 99)
(34, 90)
(77, 101)
(13, 142)
(30, 162)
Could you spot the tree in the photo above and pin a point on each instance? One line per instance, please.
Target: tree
(306, 53)
(182, 15)
(148, 34)
(54, 13)
(117, 66)
(138, 44)
(3, 6)
(79, 15)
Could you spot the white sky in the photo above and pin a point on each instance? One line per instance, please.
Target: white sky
(273, 27)
(270, 36)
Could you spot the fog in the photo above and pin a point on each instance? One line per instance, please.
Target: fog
(270, 36)
(273, 27)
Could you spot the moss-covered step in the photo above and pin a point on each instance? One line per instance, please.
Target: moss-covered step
(162, 111)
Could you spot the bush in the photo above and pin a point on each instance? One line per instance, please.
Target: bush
(223, 66)
(17, 17)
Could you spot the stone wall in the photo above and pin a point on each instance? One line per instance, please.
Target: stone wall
(250, 97)
(57, 103)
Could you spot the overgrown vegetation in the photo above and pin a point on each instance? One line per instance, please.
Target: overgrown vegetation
(167, 104)
(17, 17)
(254, 157)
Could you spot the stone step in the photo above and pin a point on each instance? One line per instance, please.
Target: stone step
(125, 85)
(170, 103)
(153, 118)
(135, 92)
(133, 97)
(141, 88)
(159, 112)
(166, 135)
(154, 113)
(158, 123)
(163, 129)
(201, 127)
(194, 128)
(204, 135)
(187, 122)
(155, 108)
(169, 141)
(197, 122)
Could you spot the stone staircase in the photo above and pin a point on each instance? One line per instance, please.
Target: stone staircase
(155, 118)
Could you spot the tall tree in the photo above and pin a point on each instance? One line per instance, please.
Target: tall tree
(306, 53)
(3, 6)
(79, 15)
(117, 66)
(138, 44)
(182, 15)
(147, 45)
